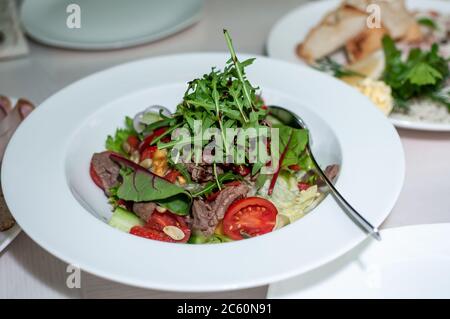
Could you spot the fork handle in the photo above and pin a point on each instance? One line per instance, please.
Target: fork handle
(360, 220)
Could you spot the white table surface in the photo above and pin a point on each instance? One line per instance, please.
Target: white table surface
(28, 271)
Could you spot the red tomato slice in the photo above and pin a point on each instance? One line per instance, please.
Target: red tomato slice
(295, 167)
(172, 175)
(249, 217)
(146, 142)
(241, 170)
(303, 186)
(133, 141)
(155, 225)
(97, 180)
(148, 152)
(149, 233)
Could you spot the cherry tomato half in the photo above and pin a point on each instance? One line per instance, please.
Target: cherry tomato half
(241, 170)
(172, 175)
(249, 217)
(148, 152)
(133, 141)
(97, 180)
(303, 186)
(94, 176)
(155, 225)
(146, 142)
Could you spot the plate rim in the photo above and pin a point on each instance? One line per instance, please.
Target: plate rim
(189, 287)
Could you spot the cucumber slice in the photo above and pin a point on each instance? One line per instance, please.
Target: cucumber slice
(213, 239)
(124, 220)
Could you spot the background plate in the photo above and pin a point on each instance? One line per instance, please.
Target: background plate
(292, 29)
(108, 24)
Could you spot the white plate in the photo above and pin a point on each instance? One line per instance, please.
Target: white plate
(290, 30)
(6, 237)
(410, 262)
(64, 211)
(108, 24)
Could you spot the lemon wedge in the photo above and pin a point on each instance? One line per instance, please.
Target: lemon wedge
(371, 67)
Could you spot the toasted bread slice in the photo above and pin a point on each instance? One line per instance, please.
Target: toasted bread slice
(335, 29)
(395, 17)
(364, 44)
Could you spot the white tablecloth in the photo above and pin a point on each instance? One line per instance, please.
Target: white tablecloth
(26, 270)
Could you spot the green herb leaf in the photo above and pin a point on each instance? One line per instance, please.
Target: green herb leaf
(212, 185)
(140, 185)
(427, 22)
(298, 139)
(114, 144)
(421, 75)
(330, 66)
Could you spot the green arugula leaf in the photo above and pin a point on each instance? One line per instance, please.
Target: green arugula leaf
(212, 185)
(330, 66)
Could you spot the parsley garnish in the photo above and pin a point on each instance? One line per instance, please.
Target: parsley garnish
(423, 74)
(427, 22)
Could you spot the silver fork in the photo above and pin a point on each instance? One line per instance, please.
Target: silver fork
(293, 120)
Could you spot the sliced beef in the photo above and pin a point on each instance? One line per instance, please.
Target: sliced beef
(206, 215)
(106, 169)
(202, 172)
(144, 210)
(331, 171)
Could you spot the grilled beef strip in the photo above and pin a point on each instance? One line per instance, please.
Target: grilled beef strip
(206, 215)
(144, 210)
(106, 169)
(202, 172)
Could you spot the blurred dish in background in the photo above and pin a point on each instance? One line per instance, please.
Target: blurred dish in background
(12, 40)
(110, 24)
(417, 94)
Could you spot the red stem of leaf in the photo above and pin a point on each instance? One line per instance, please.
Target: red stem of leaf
(275, 176)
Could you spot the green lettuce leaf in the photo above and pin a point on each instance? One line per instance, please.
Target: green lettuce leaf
(140, 185)
(114, 143)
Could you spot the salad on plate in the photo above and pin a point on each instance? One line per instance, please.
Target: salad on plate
(220, 168)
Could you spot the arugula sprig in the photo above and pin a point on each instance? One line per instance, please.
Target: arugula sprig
(220, 99)
(421, 75)
(328, 65)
